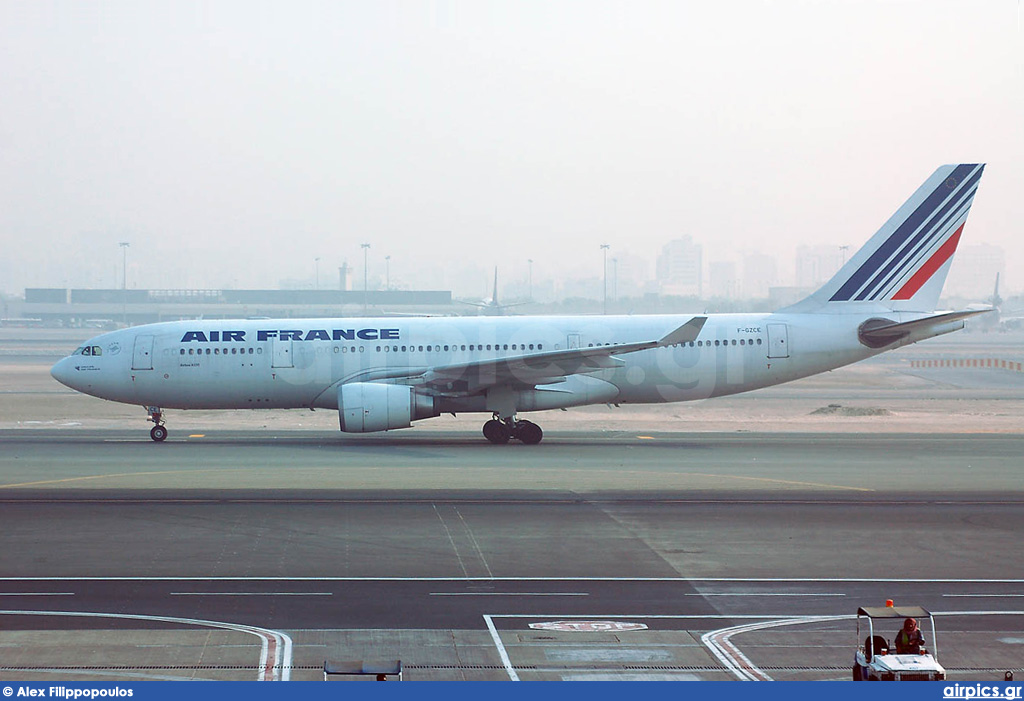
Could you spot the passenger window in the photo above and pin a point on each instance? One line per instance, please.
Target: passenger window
(540, 346)
(216, 351)
(446, 347)
(234, 351)
(378, 348)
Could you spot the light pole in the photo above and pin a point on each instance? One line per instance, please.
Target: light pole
(530, 278)
(604, 252)
(316, 266)
(387, 273)
(615, 279)
(366, 286)
(124, 281)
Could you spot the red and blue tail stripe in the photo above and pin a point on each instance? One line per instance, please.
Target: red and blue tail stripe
(920, 244)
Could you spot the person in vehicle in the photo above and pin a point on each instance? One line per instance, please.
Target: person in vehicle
(910, 639)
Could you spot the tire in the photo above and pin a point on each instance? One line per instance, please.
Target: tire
(497, 432)
(529, 433)
(158, 433)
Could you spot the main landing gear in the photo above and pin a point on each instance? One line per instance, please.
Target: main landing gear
(159, 432)
(501, 431)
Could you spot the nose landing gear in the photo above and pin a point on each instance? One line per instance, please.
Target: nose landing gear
(501, 431)
(159, 432)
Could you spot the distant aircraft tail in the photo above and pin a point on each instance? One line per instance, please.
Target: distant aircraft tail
(904, 265)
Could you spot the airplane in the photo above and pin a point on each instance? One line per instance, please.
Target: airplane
(999, 319)
(381, 374)
(492, 307)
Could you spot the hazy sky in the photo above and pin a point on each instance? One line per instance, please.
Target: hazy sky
(232, 143)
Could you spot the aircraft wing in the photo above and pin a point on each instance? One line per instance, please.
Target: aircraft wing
(544, 367)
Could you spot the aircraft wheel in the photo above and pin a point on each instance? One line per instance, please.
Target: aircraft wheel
(529, 432)
(497, 432)
(158, 433)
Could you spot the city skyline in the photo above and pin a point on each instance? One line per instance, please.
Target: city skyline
(233, 144)
(744, 277)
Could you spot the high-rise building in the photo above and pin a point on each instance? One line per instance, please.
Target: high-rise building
(680, 268)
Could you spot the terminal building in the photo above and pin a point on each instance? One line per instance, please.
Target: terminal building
(48, 306)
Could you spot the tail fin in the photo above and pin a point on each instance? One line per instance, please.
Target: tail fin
(904, 265)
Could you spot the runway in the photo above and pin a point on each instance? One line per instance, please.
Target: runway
(207, 556)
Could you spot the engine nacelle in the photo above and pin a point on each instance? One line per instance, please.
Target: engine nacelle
(364, 407)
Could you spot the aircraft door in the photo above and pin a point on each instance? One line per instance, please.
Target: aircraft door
(572, 340)
(282, 354)
(142, 358)
(778, 341)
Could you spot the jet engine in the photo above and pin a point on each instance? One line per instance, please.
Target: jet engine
(371, 406)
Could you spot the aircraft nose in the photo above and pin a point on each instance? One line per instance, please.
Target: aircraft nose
(64, 371)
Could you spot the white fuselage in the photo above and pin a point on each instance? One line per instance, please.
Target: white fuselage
(299, 363)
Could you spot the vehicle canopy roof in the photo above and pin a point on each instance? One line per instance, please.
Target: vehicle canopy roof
(893, 612)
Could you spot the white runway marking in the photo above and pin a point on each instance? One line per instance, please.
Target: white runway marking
(685, 580)
(476, 546)
(760, 594)
(275, 646)
(37, 593)
(251, 593)
(718, 641)
(509, 593)
(501, 649)
(451, 540)
(721, 646)
(985, 596)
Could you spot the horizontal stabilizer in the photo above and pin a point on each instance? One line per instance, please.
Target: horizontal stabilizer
(877, 333)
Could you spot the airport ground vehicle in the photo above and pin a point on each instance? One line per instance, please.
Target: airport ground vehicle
(876, 660)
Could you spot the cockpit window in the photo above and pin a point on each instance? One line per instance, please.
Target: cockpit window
(88, 350)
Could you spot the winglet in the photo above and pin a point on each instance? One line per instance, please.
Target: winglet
(685, 333)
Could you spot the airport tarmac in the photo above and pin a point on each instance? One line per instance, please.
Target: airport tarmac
(645, 547)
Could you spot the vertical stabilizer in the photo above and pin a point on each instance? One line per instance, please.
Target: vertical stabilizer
(904, 265)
